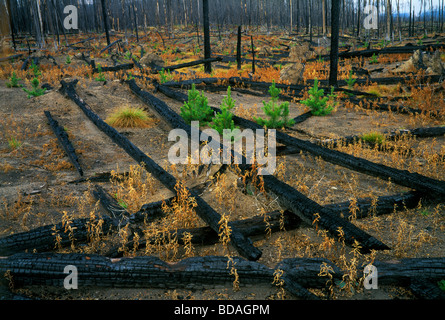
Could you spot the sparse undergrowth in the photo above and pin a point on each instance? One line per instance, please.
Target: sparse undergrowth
(33, 152)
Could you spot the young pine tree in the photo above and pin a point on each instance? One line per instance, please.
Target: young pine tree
(278, 114)
(196, 108)
(317, 102)
(223, 120)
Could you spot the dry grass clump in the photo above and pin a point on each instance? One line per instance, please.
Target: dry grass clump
(129, 117)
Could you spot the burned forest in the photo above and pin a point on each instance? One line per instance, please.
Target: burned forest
(222, 150)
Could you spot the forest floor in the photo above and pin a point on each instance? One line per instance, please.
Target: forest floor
(38, 183)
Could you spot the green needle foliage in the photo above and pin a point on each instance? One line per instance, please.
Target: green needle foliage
(36, 91)
(223, 120)
(101, 76)
(13, 81)
(196, 108)
(373, 59)
(278, 114)
(68, 60)
(318, 102)
(165, 76)
(35, 70)
(350, 81)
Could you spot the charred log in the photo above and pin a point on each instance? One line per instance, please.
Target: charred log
(204, 272)
(291, 199)
(126, 66)
(64, 141)
(244, 245)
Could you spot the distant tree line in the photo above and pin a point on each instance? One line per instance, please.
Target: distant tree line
(41, 18)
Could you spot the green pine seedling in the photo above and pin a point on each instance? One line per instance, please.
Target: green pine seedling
(350, 81)
(373, 59)
(101, 76)
(35, 70)
(278, 115)
(165, 76)
(68, 60)
(196, 108)
(13, 81)
(223, 120)
(318, 102)
(36, 91)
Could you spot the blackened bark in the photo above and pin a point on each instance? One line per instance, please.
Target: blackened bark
(105, 18)
(335, 27)
(207, 48)
(238, 49)
(62, 136)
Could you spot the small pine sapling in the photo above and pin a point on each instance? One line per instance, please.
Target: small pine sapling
(13, 81)
(317, 102)
(350, 81)
(278, 114)
(36, 91)
(165, 76)
(101, 76)
(223, 120)
(68, 60)
(373, 59)
(35, 70)
(196, 108)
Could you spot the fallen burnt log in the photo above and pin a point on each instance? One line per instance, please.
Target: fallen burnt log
(391, 135)
(417, 132)
(125, 66)
(313, 213)
(48, 269)
(291, 198)
(50, 237)
(293, 90)
(62, 136)
(277, 221)
(402, 177)
(148, 271)
(184, 65)
(389, 80)
(365, 207)
(389, 50)
(252, 227)
(243, 245)
(15, 56)
(407, 179)
(110, 45)
(374, 105)
(303, 117)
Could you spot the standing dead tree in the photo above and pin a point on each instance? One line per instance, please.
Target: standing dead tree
(105, 18)
(335, 26)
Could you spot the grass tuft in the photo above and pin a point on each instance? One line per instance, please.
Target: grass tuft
(129, 117)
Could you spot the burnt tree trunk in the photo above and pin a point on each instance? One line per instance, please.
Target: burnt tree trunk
(105, 18)
(207, 47)
(238, 49)
(335, 27)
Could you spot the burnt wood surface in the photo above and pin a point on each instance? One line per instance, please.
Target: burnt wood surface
(244, 245)
(64, 141)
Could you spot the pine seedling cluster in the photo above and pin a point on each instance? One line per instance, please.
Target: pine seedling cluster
(196, 108)
(318, 102)
(278, 114)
